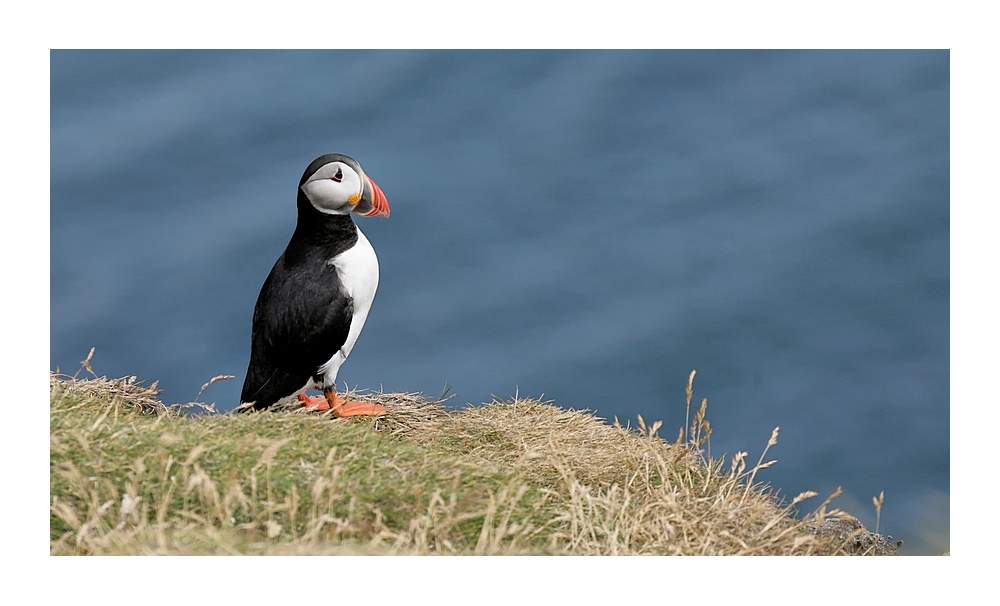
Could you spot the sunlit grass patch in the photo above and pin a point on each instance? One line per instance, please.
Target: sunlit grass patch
(130, 475)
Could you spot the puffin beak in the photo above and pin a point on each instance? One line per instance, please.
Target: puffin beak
(373, 202)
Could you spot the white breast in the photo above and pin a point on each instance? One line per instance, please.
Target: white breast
(358, 271)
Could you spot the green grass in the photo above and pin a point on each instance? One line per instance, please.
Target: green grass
(130, 475)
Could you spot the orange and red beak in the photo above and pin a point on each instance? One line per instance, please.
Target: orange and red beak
(373, 202)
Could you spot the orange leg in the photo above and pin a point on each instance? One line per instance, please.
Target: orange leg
(341, 407)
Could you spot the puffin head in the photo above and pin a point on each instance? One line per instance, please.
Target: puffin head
(335, 185)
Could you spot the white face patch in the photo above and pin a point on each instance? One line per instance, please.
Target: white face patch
(334, 189)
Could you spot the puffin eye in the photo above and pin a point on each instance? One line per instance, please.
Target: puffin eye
(339, 176)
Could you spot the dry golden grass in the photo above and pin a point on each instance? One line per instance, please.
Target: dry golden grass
(132, 476)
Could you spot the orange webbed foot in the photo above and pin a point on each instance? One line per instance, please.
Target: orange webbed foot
(318, 401)
(341, 407)
(350, 408)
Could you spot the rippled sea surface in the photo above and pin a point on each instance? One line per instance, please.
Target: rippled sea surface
(584, 227)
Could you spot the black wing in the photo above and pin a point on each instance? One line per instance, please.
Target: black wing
(301, 319)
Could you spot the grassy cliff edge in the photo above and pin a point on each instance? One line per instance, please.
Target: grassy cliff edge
(130, 475)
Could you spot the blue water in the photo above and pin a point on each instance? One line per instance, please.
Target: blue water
(587, 227)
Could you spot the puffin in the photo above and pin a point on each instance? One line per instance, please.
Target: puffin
(316, 299)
